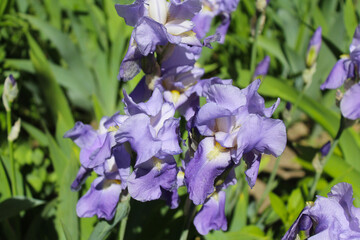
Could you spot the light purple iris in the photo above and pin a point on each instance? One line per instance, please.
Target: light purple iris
(211, 9)
(262, 68)
(212, 214)
(158, 22)
(235, 124)
(150, 128)
(347, 68)
(110, 161)
(334, 217)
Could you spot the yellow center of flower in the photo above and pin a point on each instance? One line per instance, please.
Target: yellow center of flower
(113, 128)
(215, 152)
(107, 183)
(175, 95)
(157, 164)
(344, 56)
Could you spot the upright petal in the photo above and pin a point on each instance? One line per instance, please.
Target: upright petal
(184, 9)
(169, 137)
(151, 108)
(227, 96)
(82, 134)
(212, 215)
(350, 104)
(355, 44)
(210, 160)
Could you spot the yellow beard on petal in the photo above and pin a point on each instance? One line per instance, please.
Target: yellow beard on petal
(215, 152)
(175, 95)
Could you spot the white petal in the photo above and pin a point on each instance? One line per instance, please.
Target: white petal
(158, 10)
(177, 27)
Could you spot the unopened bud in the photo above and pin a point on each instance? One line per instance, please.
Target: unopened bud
(262, 68)
(324, 150)
(15, 130)
(10, 92)
(313, 48)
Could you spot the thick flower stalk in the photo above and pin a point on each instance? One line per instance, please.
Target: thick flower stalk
(346, 72)
(334, 217)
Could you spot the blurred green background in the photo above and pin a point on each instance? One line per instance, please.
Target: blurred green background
(65, 56)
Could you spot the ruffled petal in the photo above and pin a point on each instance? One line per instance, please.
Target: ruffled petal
(100, 200)
(138, 132)
(210, 160)
(212, 215)
(147, 181)
(169, 137)
(350, 104)
(131, 13)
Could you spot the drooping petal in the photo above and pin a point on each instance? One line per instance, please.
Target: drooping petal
(210, 160)
(100, 200)
(141, 92)
(337, 76)
(122, 161)
(131, 13)
(350, 104)
(302, 223)
(202, 22)
(147, 181)
(252, 160)
(265, 135)
(212, 215)
(82, 134)
(223, 27)
(139, 133)
(130, 65)
(96, 154)
(169, 137)
(81, 176)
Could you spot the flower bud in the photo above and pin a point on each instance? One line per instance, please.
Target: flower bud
(324, 150)
(15, 130)
(313, 48)
(10, 91)
(262, 68)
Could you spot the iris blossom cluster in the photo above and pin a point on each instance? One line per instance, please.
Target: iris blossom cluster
(134, 153)
(334, 217)
(346, 72)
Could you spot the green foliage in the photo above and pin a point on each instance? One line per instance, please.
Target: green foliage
(66, 55)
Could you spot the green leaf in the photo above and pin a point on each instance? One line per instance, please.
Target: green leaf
(279, 207)
(5, 189)
(55, 98)
(248, 233)
(35, 133)
(13, 206)
(103, 228)
(240, 213)
(350, 18)
(295, 205)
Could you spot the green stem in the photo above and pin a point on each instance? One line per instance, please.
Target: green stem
(254, 46)
(123, 228)
(325, 160)
(189, 211)
(269, 185)
(11, 153)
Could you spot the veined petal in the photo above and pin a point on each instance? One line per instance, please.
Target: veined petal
(169, 137)
(81, 176)
(350, 104)
(100, 200)
(227, 96)
(206, 118)
(147, 180)
(131, 13)
(138, 132)
(212, 215)
(158, 10)
(184, 9)
(210, 160)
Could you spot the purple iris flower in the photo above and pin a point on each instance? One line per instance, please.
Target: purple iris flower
(314, 47)
(211, 9)
(262, 68)
(158, 22)
(150, 128)
(334, 217)
(235, 124)
(212, 214)
(347, 68)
